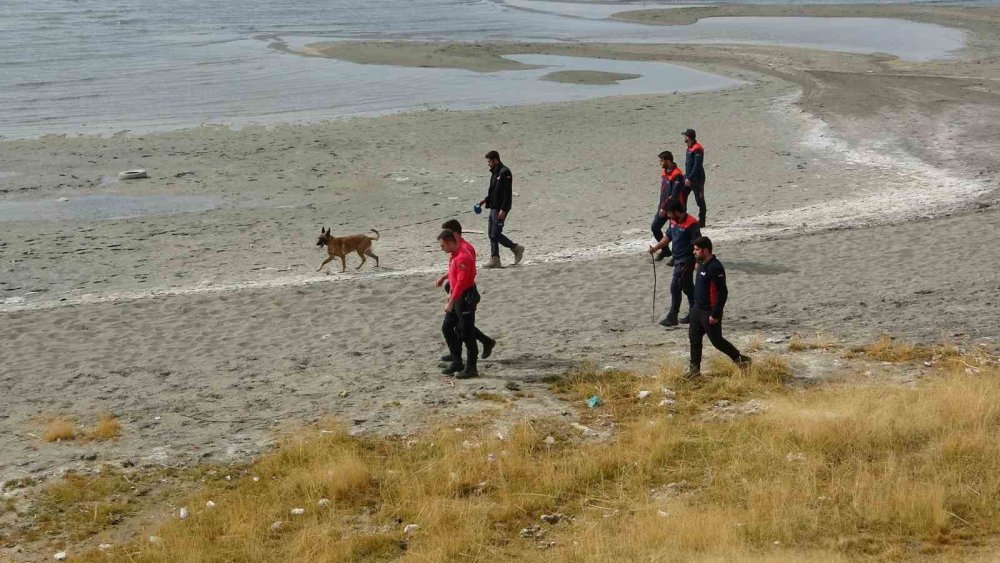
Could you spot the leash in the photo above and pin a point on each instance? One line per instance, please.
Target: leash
(432, 220)
(652, 259)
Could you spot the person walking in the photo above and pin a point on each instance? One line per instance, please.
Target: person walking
(459, 326)
(498, 200)
(671, 188)
(710, 295)
(694, 171)
(681, 233)
(487, 343)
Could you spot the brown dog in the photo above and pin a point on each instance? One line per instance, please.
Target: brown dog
(340, 246)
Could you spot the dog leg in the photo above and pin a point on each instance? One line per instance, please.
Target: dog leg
(363, 259)
(369, 252)
(325, 262)
(343, 265)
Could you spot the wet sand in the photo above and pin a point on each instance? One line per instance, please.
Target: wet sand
(852, 194)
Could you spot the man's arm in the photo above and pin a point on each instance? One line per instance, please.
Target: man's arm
(465, 277)
(697, 172)
(718, 277)
(505, 189)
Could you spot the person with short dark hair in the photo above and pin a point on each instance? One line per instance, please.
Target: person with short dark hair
(488, 343)
(681, 233)
(671, 189)
(459, 324)
(498, 200)
(710, 295)
(694, 171)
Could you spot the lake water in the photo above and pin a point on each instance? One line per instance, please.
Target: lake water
(69, 66)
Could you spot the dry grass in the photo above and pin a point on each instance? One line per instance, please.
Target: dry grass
(888, 349)
(830, 473)
(108, 427)
(60, 429)
(821, 342)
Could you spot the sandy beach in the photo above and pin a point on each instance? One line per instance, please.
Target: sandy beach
(849, 194)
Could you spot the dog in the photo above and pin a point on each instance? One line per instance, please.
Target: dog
(338, 247)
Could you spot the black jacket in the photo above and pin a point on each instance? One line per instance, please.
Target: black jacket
(694, 164)
(501, 194)
(710, 291)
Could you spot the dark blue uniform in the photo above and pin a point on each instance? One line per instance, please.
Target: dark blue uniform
(710, 295)
(694, 168)
(682, 234)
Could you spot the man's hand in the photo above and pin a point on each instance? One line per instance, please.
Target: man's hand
(712, 320)
(500, 215)
(440, 281)
(652, 250)
(448, 306)
(687, 182)
(662, 213)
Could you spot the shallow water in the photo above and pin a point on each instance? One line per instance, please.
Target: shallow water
(102, 207)
(94, 66)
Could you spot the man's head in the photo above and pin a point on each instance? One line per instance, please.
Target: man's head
(690, 137)
(667, 160)
(492, 159)
(675, 211)
(702, 249)
(454, 226)
(448, 241)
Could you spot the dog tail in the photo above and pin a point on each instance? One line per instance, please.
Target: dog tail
(376, 237)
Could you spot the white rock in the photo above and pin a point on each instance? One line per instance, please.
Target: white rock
(550, 440)
(490, 458)
(668, 403)
(791, 457)
(156, 418)
(255, 479)
(410, 528)
(276, 526)
(104, 546)
(551, 518)
(609, 368)
(500, 436)
(667, 392)
(209, 504)
(298, 511)
(182, 513)
(155, 539)
(928, 364)
(643, 394)
(323, 502)
(663, 514)
(61, 556)
(63, 199)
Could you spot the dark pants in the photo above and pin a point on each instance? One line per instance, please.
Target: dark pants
(479, 334)
(698, 189)
(657, 226)
(459, 327)
(496, 234)
(699, 327)
(682, 282)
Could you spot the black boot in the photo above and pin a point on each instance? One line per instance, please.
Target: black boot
(469, 371)
(447, 358)
(488, 348)
(694, 370)
(686, 320)
(744, 363)
(670, 319)
(452, 368)
(701, 218)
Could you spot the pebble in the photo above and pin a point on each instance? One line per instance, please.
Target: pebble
(298, 511)
(61, 556)
(551, 518)
(276, 526)
(550, 440)
(104, 546)
(668, 393)
(155, 539)
(410, 528)
(324, 502)
(209, 504)
(643, 394)
(182, 513)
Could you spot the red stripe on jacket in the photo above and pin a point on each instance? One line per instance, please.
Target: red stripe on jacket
(461, 272)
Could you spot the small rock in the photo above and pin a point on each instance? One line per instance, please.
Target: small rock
(298, 511)
(343, 394)
(155, 539)
(668, 403)
(643, 394)
(323, 502)
(668, 393)
(928, 364)
(61, 556)
(551, 518)
(276, 526)
(209, 504)
(63, 199)
(550, 440)
(490, 458)
(104, 546)
(182, 513)
(793, 457)
(255, 479)
(534, 531)
(663, 514)
(609, 368)
(410, 528)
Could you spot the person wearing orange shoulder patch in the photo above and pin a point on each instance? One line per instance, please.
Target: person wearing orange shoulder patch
(682, 232)
(694, 171)
(671, 188)
(459, 325)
